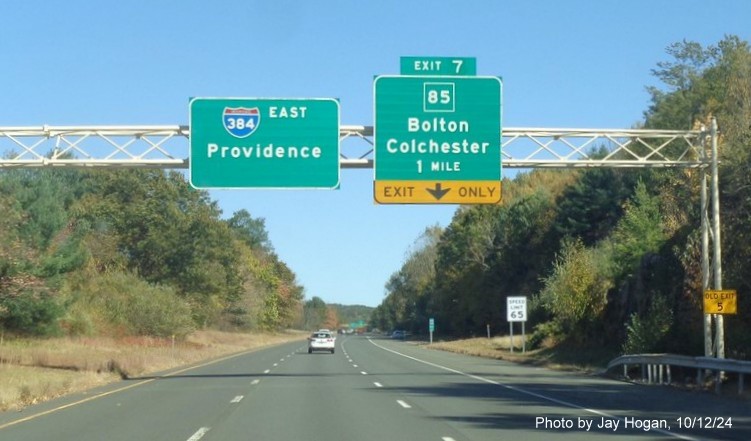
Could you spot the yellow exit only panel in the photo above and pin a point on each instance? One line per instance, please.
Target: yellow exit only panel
(437, 192)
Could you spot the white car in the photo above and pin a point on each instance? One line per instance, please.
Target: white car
(321, 341)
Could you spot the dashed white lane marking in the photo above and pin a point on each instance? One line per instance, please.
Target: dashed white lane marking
(524, 391)
(363, 372)
(267, 371)
(276, 364)
(447, 438)
(377, 384)
(237, 399)
(256, 381)
(354, 365)
(199, 434)
(403, 404)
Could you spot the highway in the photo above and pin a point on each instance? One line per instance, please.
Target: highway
(376, 389)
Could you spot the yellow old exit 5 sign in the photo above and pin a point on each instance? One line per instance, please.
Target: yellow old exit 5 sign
(721, 302)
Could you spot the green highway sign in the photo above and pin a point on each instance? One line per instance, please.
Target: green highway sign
(264, 143)
(438, 66)
(437, 140)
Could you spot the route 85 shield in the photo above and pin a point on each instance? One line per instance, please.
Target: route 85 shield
(241, 122)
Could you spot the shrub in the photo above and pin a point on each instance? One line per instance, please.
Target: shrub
(544, 333)
(158, 311)
(77, 321)
(125, 304)
(575, 294)
(30, 312)
(646, 333)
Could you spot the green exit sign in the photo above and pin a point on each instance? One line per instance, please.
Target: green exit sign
(437, 139)
(264, 143)
(438, 66)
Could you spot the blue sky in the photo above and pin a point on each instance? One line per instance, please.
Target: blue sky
(563, 63)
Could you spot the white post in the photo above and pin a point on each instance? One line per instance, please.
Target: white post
(511, 332)
(717, 246)
(708, 347)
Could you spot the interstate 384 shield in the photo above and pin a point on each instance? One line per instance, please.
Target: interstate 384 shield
(241, 122)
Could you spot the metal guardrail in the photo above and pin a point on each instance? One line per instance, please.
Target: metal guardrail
(654, 365)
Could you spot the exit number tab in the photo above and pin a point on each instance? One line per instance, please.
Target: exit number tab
(462, 66)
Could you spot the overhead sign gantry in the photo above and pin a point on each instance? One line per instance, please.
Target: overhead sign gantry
(140, 146)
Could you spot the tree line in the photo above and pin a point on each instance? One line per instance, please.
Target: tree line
(319, 315)
(608, 257)
(122, 252)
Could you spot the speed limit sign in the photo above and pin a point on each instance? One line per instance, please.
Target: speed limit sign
(516, 309)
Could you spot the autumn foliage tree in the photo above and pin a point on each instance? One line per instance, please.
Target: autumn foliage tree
(86, 251)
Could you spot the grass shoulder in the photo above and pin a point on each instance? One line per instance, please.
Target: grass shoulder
(32, 371)
(560, 357)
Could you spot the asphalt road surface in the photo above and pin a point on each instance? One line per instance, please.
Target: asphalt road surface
(377, 389)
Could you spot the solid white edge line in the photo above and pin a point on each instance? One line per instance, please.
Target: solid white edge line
(526, 392)
(199, 434)
(403, 404)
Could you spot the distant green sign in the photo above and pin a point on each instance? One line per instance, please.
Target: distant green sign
(264, 143)
(438, 66)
